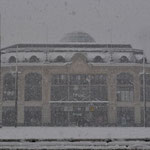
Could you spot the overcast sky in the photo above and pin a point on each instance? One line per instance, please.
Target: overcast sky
(47, 21)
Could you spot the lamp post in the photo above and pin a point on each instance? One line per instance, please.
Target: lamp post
(0, 78)
(16, 89)
(16, 98)
(144, 89)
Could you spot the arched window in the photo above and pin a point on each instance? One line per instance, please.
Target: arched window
(9, 87)
(12, 59)
(124, 59)
(33, 86)
(60, 59)
(125, 87)
(33, 59)
(75, 88)
(98, 59)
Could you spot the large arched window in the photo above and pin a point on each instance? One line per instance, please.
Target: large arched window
(125, 87)
(33, 59)
(12, 59)
(9, 87)
(98, 59)
(75, 94)
(124, 59)
(60, 59)
(33, 86)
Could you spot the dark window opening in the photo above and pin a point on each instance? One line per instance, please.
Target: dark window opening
(79, 87)
(60, 59)
(59, 93)
(33, 87)
(124, 59)
(34, 59)
(99, 93)
(9, 87)
(12, 59)
(125, 116)
(8, 116)
(79, 79)
(125, 87)
(32, 116)
(98, 59)
(60, 79)
(79, 114)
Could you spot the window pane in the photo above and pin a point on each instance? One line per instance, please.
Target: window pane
(79, 87)
(59, 79)
(147, 93)
(99, 93)
(124, 93)
(147, 79)
(125, 88)
(79, 93)
(32, 116)
(147, 116)
(125, 116)
(124, 78)
(59, 93)
(9, 87)
(33, 86)
(79, 79)
(8, 116)
(98, 79)
(79, 114)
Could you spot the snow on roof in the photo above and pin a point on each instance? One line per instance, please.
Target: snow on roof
(104, 56)
(117, 56)
(66, 45)
(23, 55)
(51, 51)
(139, 56)
(51, 56)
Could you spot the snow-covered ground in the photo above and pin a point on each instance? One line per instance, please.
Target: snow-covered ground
(74, 133)
(74, 138)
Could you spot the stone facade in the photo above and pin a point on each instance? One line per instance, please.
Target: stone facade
(78, 66)
(74, 83)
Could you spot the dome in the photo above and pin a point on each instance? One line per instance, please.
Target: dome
(77, 37)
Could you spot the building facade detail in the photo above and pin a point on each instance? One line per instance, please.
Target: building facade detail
(76, 82)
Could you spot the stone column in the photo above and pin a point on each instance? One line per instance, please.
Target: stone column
(137, 106)
(1, 84)
(21, 86)
(111, 97)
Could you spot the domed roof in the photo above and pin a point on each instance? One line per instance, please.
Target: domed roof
(77, 37)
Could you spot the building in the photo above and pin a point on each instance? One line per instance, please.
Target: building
(76, 82)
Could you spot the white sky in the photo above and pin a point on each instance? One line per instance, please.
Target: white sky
(46, 21)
